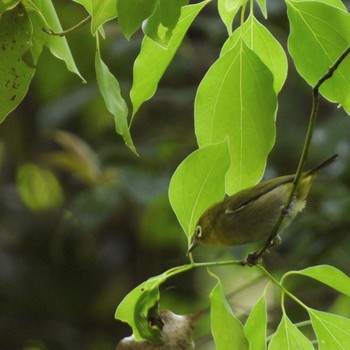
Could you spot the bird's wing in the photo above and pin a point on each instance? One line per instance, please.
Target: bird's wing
(244, 197)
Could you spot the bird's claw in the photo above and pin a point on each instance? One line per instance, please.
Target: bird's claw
(255, 258)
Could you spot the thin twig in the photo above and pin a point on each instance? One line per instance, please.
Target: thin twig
(254, 258)
(65, 32)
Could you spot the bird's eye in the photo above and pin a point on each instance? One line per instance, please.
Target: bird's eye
(198, 232)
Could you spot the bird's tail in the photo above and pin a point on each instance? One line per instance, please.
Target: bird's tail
(322, 165)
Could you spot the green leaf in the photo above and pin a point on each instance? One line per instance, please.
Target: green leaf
(227, 330)
(262, 5)
(261, 41)
(17, 63)
(132, 13)
(153, 59)
(332, 331)
(198, 182)
(170, 11)
(115, 104)
(57, 45)
(228, 10)
(39, 188)
(328, 275)
(142, 302)
(134, 309)
(236, 99)
(101, 11)
(336, 3)
(6, 5)
(288, 337)
(38, 37)
(255, 326)
(319, 34)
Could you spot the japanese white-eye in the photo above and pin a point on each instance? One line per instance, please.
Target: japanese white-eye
(250, 215)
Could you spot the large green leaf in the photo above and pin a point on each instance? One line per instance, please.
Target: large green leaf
(101, 11)
(228, 10)
(114, 101)
(16, 60)
(288, 337)
(255, 326)
(332, 331)
(153, 59)
(132, 13)
(328, 275)
(236, 99)
(337, 3)
(319, 35)
(261, 41)
(227, 330)
(198, 182)
(57, 45)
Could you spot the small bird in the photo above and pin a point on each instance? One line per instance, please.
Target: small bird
(250, 215)
(177, 331)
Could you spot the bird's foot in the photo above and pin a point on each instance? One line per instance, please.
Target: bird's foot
(255, 258)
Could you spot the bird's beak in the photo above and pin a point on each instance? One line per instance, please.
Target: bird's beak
(191, 247)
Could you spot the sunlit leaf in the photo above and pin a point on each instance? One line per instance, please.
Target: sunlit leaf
(115, 103)
(6, 5)
(131, 14)
(38, 188)
(328, 275)
(262, 5)
(288, 337)
(100, 10)
(153, 59)
(319, 34)
(337, 3)
(332, 331)
(198, 182)
(16, 62)
(228, 10)
(57, 45)
(255, 326)
(227, 330)
(261, 41)
(236, 99)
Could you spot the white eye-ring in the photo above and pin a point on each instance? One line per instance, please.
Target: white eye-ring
(198, 231)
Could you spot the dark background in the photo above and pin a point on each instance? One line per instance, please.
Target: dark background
(64, 270)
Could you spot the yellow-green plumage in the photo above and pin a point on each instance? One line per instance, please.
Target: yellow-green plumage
(249, 215)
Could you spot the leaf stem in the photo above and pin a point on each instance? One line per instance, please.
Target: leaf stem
(243, 13)
(254, 258)
(283, 289)
(67, 31)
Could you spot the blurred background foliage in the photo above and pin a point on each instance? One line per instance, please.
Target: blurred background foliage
(83, 220)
